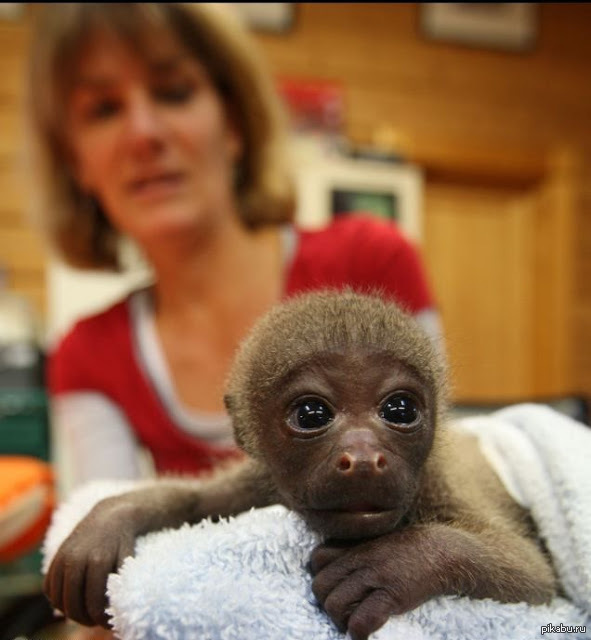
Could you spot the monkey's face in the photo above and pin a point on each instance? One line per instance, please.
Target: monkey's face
(345, 438)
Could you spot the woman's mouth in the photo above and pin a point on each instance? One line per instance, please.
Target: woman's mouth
(160, 185)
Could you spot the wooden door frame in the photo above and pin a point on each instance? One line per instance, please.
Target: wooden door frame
(552, 174)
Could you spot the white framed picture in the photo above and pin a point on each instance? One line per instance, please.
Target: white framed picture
(11, 10)
(497, 25)
(330, 187)
(276, 17)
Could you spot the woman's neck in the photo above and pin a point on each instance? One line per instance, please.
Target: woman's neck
(218, 273)
(207, 297)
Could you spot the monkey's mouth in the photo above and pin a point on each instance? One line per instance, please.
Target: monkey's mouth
(355, 520)
(352, 506)
(361, 507)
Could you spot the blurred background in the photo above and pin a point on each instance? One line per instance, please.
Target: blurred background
(468, 124)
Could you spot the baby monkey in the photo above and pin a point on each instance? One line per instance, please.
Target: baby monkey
(338, 400)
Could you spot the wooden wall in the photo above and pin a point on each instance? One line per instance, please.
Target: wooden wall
(462, 107)
(20, 249)
(435, 99)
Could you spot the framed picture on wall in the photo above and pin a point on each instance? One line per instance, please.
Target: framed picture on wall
(11, 10)
(273, 17)
(332, 187)
(511, 26)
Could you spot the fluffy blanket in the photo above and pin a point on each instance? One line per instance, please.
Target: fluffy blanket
(246, 577)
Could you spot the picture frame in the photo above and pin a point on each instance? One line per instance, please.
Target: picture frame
(331, 187)
(509, 26)
(10, 11)
(272, 17)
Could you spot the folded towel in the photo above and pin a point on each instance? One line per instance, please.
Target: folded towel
(246, 577)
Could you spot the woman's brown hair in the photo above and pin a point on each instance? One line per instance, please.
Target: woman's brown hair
(74, 222)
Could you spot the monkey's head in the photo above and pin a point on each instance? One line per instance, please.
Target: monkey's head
(339, 394)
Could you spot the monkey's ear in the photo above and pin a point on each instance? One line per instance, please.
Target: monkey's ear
(229, 403)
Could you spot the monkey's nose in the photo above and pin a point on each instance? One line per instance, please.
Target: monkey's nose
(351, 462)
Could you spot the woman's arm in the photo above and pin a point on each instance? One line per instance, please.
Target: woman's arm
(92, 440)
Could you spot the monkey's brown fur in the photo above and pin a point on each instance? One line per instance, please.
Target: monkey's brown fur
(311, 325)
(409, 508)
(458, 487)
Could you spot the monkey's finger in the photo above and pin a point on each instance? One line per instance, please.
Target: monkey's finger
(74, 584)
(345, 598)
(323, 555)
(327, 579)
(96, 592)
(102, 563)
(370, 615)
(126, 549)
(52, 584)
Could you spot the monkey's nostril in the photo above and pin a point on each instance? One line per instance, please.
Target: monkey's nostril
(350, 463)
(345, 462)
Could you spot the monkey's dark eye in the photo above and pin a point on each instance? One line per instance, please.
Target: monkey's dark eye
(310, 414)
(400, 409)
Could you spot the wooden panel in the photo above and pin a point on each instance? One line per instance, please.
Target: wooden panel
(32, 287)
(11, 126)
(13, 193)
(21, 249)
(582, 354)
(478, 247)
(554, 270)
(502, 264)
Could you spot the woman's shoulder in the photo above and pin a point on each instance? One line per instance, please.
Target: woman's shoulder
(87, 349)
(356, 237)
(99, 322)
(363, 252)
(347, 230)
(103, 328)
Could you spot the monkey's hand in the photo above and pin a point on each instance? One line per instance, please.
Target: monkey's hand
(77, 578)
(361, 585)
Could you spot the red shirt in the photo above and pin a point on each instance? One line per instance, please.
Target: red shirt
(365, 254)
(98, 354)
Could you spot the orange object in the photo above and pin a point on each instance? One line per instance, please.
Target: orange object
(27, 499)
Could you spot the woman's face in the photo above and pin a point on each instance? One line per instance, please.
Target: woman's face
(150, 138)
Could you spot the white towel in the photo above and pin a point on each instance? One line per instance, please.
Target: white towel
(246, 577)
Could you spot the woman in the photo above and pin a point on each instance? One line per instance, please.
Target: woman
(159, 123)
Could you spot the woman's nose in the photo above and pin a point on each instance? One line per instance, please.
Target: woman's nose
(144, 127)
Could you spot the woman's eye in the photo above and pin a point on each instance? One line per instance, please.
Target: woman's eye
(400, 409)
(311, 414)
(174, 93)
(102, 109)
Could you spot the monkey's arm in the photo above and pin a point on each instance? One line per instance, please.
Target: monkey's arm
(77, 578)
(466, 537)
(361, 586)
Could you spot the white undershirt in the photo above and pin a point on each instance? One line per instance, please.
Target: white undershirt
(210, 426)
